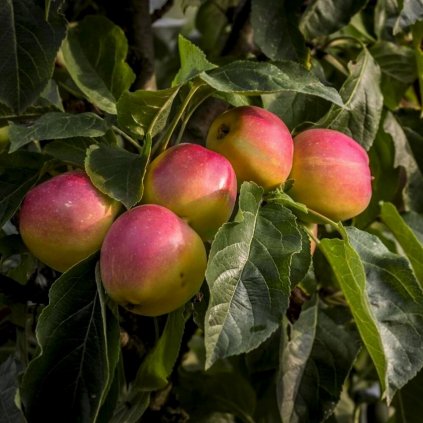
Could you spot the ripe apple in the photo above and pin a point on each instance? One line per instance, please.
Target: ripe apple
(256, 142)
(197, 184)
(152, 262)
(64, 219)
(331, 174)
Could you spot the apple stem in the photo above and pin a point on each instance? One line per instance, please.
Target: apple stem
(127, 137)
(335, 225)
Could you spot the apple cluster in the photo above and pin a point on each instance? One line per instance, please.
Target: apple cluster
(153, 257)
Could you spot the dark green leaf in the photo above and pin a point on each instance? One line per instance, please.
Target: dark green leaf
(19, 173)
(386, 302)
(57, 125)
(276, 31)
(413, 128)
(418, 50)
(255, 78)
(71, 150)
(411, 245)
(360, 116)
(386, 13)
(223, 389)
(407, 402)
(386, 174)
(155, 370)
(323, 17)
(29, 47)
(302, 260)
(248, 276)
(98, 67)
(79, 339)
(118, 172)
(296, 109)
(314, 365)
(412, 11)
(145, 111)
(193, 61)
(9, 373)
(398, 67)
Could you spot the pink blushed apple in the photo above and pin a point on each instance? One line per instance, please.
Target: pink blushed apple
(256, 142)
(331, 174)
(64, 219)
(152, 262)
(197, 184)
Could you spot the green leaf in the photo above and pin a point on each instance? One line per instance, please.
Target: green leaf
(98, 67)
(412, 12)
(155, 370)
(411, 245)
(386, 302)
(29, 47)
(193, 61)
(301, 261)
(248, 276)
(386, 13)
(9, 373)
(255, 78)
(19, 173)
(360, 116)
(118, 172)
(398, 67)
(79, 340)
(314, 365)
(276, 31)
(145, 111)
(415, 221)
(56, 125)
(323, 17)
(158, 365)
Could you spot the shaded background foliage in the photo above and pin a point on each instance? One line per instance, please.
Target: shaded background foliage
(93, 83)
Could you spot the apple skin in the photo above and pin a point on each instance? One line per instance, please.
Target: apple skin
(65, 219)
(197, 184)
(331, 174)
(152, 262)
(256, 142)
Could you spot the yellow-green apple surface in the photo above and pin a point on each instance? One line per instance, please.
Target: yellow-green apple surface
(152, 262)
(331, 174)
(256, 142)
(197, 184)
(65, 219)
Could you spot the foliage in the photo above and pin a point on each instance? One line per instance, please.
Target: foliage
(275, 334)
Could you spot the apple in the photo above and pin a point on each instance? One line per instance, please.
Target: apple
(64, 219)
(256, 142)
(331, 174)
(197, 184)
(152, 262)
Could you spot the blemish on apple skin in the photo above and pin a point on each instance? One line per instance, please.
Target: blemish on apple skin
(223, 131)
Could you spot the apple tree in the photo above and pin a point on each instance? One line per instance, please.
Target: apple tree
(211, 211)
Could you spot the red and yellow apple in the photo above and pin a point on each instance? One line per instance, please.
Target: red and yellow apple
(256, 142)
(152, 262)
(331, 174)
(197, 184)
(64, 219)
